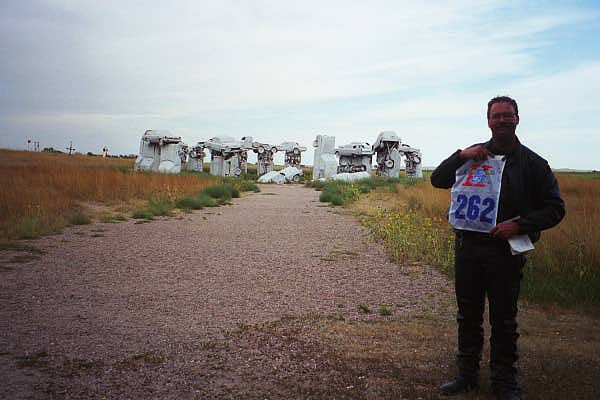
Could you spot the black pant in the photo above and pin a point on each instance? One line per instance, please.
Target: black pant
(485, 266)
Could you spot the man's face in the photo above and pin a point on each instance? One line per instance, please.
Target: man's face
(503, 122)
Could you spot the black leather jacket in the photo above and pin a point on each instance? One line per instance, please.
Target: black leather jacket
(529, 189)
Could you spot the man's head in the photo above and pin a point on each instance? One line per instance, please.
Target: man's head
(503, 118)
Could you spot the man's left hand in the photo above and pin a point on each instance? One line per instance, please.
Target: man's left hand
(505, 230)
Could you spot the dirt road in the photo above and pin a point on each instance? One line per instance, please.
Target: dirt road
(180, 307)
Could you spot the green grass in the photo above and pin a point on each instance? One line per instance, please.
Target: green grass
(340, 193)
(364, 308)
(79, 219)
(161, 207)
(243, 185)
(12, 246)
(222, 191)
(30, 227)
(384, 310)
(211, 196)
(24, 258)
(112, 218)
(142, 213)
(36, 360)
(197, 202)
(546, 281)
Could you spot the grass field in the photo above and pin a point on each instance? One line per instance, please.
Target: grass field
(563, 269)
(44, 192)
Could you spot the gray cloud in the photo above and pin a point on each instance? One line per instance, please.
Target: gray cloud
(103, 72)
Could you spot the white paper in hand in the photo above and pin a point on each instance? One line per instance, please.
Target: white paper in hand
(520, 244)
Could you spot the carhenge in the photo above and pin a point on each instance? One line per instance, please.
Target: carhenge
(228, 157)
(264, 157)
(159, 152)
(354, 157)
(325, 163)
(195, 157)
(390, 150)
(293, 153)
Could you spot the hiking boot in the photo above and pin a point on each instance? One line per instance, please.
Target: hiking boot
(457, 386)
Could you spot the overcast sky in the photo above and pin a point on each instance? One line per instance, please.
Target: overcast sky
(100, 73)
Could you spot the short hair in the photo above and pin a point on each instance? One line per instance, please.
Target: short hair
(502, 99)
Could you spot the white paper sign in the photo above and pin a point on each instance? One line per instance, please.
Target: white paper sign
(475, 194)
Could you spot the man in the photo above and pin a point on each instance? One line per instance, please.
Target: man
(528, 202)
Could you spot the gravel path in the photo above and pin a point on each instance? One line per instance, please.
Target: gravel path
(106, 298)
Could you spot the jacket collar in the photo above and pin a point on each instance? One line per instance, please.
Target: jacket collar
(515, 151)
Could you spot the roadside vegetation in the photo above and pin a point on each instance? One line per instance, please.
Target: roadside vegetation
(408, 217)
(341, 193)
(44, 192)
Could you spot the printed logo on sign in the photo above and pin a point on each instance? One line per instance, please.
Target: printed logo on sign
(478, 175)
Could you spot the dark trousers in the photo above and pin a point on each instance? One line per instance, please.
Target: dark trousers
(485, 266)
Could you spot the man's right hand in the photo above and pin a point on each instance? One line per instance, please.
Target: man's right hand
(477, 153)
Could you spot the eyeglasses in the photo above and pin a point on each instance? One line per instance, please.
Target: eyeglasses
(506, 115)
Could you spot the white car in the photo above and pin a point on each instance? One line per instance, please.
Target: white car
(294, 147)
(226, 144)
(354, 149)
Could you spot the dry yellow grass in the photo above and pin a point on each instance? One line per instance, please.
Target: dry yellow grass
(42, 191)
(577, 235)
(564, 268)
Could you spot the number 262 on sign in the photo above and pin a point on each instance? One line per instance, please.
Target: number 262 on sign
(474, 208)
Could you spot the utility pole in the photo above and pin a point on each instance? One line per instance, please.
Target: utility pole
(71, 148)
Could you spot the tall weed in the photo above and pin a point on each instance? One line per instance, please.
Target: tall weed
(41, 191)
(563, 269)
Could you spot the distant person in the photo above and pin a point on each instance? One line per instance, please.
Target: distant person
(500, 189)
(105, 152)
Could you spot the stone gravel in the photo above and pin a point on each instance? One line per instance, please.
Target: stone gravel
(143, 310)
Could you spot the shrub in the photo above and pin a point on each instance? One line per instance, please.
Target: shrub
(79, 219)
(364, 308)
(246, 186)
(142, 213)
(160, 207)
(221, 191)
(338, 193)
(196, 202)
(384, 310)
